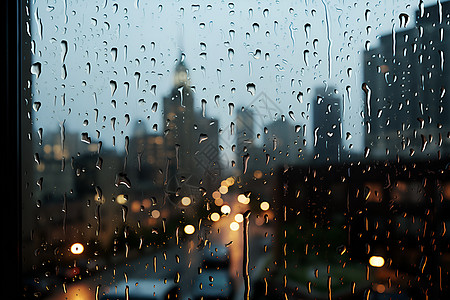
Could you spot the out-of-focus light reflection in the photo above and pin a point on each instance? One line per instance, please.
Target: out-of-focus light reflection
(135, 206)
(216, 195)
(218, 202)
(225, 209)
(186, 201)
(121, 199)
(264, 205)
(259, 221)
(223, 189)
(376, 261)
(147, 203)
(156, 214)
(380, 288)
(230, 181)
(257, 174)
(239, 218)
(189, 229)
(215, 217)
(77, 248)
(243, 199)
(234, 226)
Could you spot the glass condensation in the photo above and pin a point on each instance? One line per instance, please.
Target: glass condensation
(228, 150)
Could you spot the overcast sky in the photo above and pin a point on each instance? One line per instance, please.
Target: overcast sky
(283, 48)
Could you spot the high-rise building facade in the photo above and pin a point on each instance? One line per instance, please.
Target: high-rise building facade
(405, 89)
(327, 126)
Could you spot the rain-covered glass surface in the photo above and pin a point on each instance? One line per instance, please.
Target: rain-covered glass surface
(235, 150)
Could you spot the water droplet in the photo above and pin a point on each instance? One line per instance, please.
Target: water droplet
(231, 33)
(36, 69)
(424, 142)
(122, 179)
(36, 106)
(155, 106)
(245, 159)
(230, 53)
(85, 138)
(204, 107)
(64, 49)
(203, 137)
(307, 30)
(316, 130)
(37, 159)
(404, 20)
(368, 93)
(300, 97)
(306, 57)
(366, 152)
(114, 54)
(291, 114)
(137, 77)
(251, 88)
(230, 108)
(255, 27)
(124, 213)
(153, 89)
(367, 14)
(113, 86)
(422, 122)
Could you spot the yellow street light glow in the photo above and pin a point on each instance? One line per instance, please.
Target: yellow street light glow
(243, 199)
(234, 226)
(225, 209)
(257, 174)
(218, 202)
(223, 189)
(189, 229)
(239, 218)
(186, 201)
(264, 206)
(77, 248)
(230, 181)
(156, 214)
(216, 195)
(376, 261)
(121, 199)
(215, 217)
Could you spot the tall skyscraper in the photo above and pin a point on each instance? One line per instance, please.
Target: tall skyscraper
(179, 121)
(190, 139)
(327, 120)
(405, 85)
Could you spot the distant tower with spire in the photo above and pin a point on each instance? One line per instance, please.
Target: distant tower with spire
(190, 138)
(179, 120)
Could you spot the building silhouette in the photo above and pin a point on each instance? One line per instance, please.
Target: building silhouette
(327, 126)
(405, 85)
(190, 140)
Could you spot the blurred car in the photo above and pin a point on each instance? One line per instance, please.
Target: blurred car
(142, 289)
(213, 284)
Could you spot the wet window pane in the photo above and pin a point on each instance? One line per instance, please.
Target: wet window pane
(287, 150)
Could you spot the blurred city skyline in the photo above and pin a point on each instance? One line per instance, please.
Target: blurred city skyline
(128, 62)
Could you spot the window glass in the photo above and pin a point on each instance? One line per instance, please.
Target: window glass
(220, 150)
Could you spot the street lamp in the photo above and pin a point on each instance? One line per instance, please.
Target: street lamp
(77, 248)
(376, 261)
